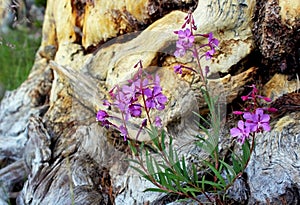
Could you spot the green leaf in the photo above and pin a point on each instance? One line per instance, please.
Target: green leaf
(213, 184)
(171, 154)
(231, 174)
(178, 170)
(141, 172)
(142, 145)
(155, 190)
(184, 169)
(191, 189)
(195, 175)
(207, 146)
(153, 133)
(149, 164)
(174, 177)
(246, 152)
(132, 147)
(163, 146)
(204, 120)
(133, 160)
(162, 180)
(216, 173)
(236, 163)
(169, 180)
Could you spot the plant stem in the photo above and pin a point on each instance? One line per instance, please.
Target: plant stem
(196, 54)
(245, 166)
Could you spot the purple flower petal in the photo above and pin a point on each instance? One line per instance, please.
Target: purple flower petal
(185, 41)
(178, 69)
(234, 132)
(157, 121)
(102, 115)
(102, 118)
(265, 118)
(123, 132)
(266, 127)
(241, 132)
(247, 116)
(135, 110)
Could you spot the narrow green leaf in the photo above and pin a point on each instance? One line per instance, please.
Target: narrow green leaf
(142, 146)
(236, 163)
(216, 173)
(163, 146)
(171, 154)
(178, 170)
(169, 179)
(153, 133)
(231, 174)
(174, 177)
(202, 118)
(162, 180)
(157, 166)
(141, 172)
(246, 151)
(132, 147)
(155, 190)
(149, 164)
(213, 184)
(133, 160)
(195, 175)
(184, 169)
(191, 189)
(202, 182)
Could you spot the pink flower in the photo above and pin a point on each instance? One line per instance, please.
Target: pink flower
(244, 98)
(123, 132)
(178, 69)
(129, 92)
(155, 98)
(135, 110)
(266, 99)
(241, 132)
(272, 109)
(238, 112)
(257, 121)
(184, 42)
(157, 121)
(209, 54)
(102, 118)
(212, 43)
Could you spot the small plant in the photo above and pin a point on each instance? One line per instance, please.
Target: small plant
(159, 162)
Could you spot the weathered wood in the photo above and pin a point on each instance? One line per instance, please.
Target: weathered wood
(11, 176)
(276, 33)
(49, 122)
(77, 177)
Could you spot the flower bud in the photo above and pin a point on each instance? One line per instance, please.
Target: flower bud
(238, 112)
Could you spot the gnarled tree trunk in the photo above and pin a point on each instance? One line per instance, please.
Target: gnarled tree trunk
(54, 152)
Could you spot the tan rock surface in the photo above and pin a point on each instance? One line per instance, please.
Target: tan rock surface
(290, 11)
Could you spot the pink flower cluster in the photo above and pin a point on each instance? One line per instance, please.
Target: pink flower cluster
(127, 99)
(186, 39)
(254, 118)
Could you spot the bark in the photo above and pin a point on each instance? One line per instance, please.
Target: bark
(54, 152)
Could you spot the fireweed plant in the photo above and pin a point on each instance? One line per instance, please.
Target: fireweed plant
(141, 95)
(159, 162)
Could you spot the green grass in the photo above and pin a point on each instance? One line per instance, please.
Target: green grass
(17, 53)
